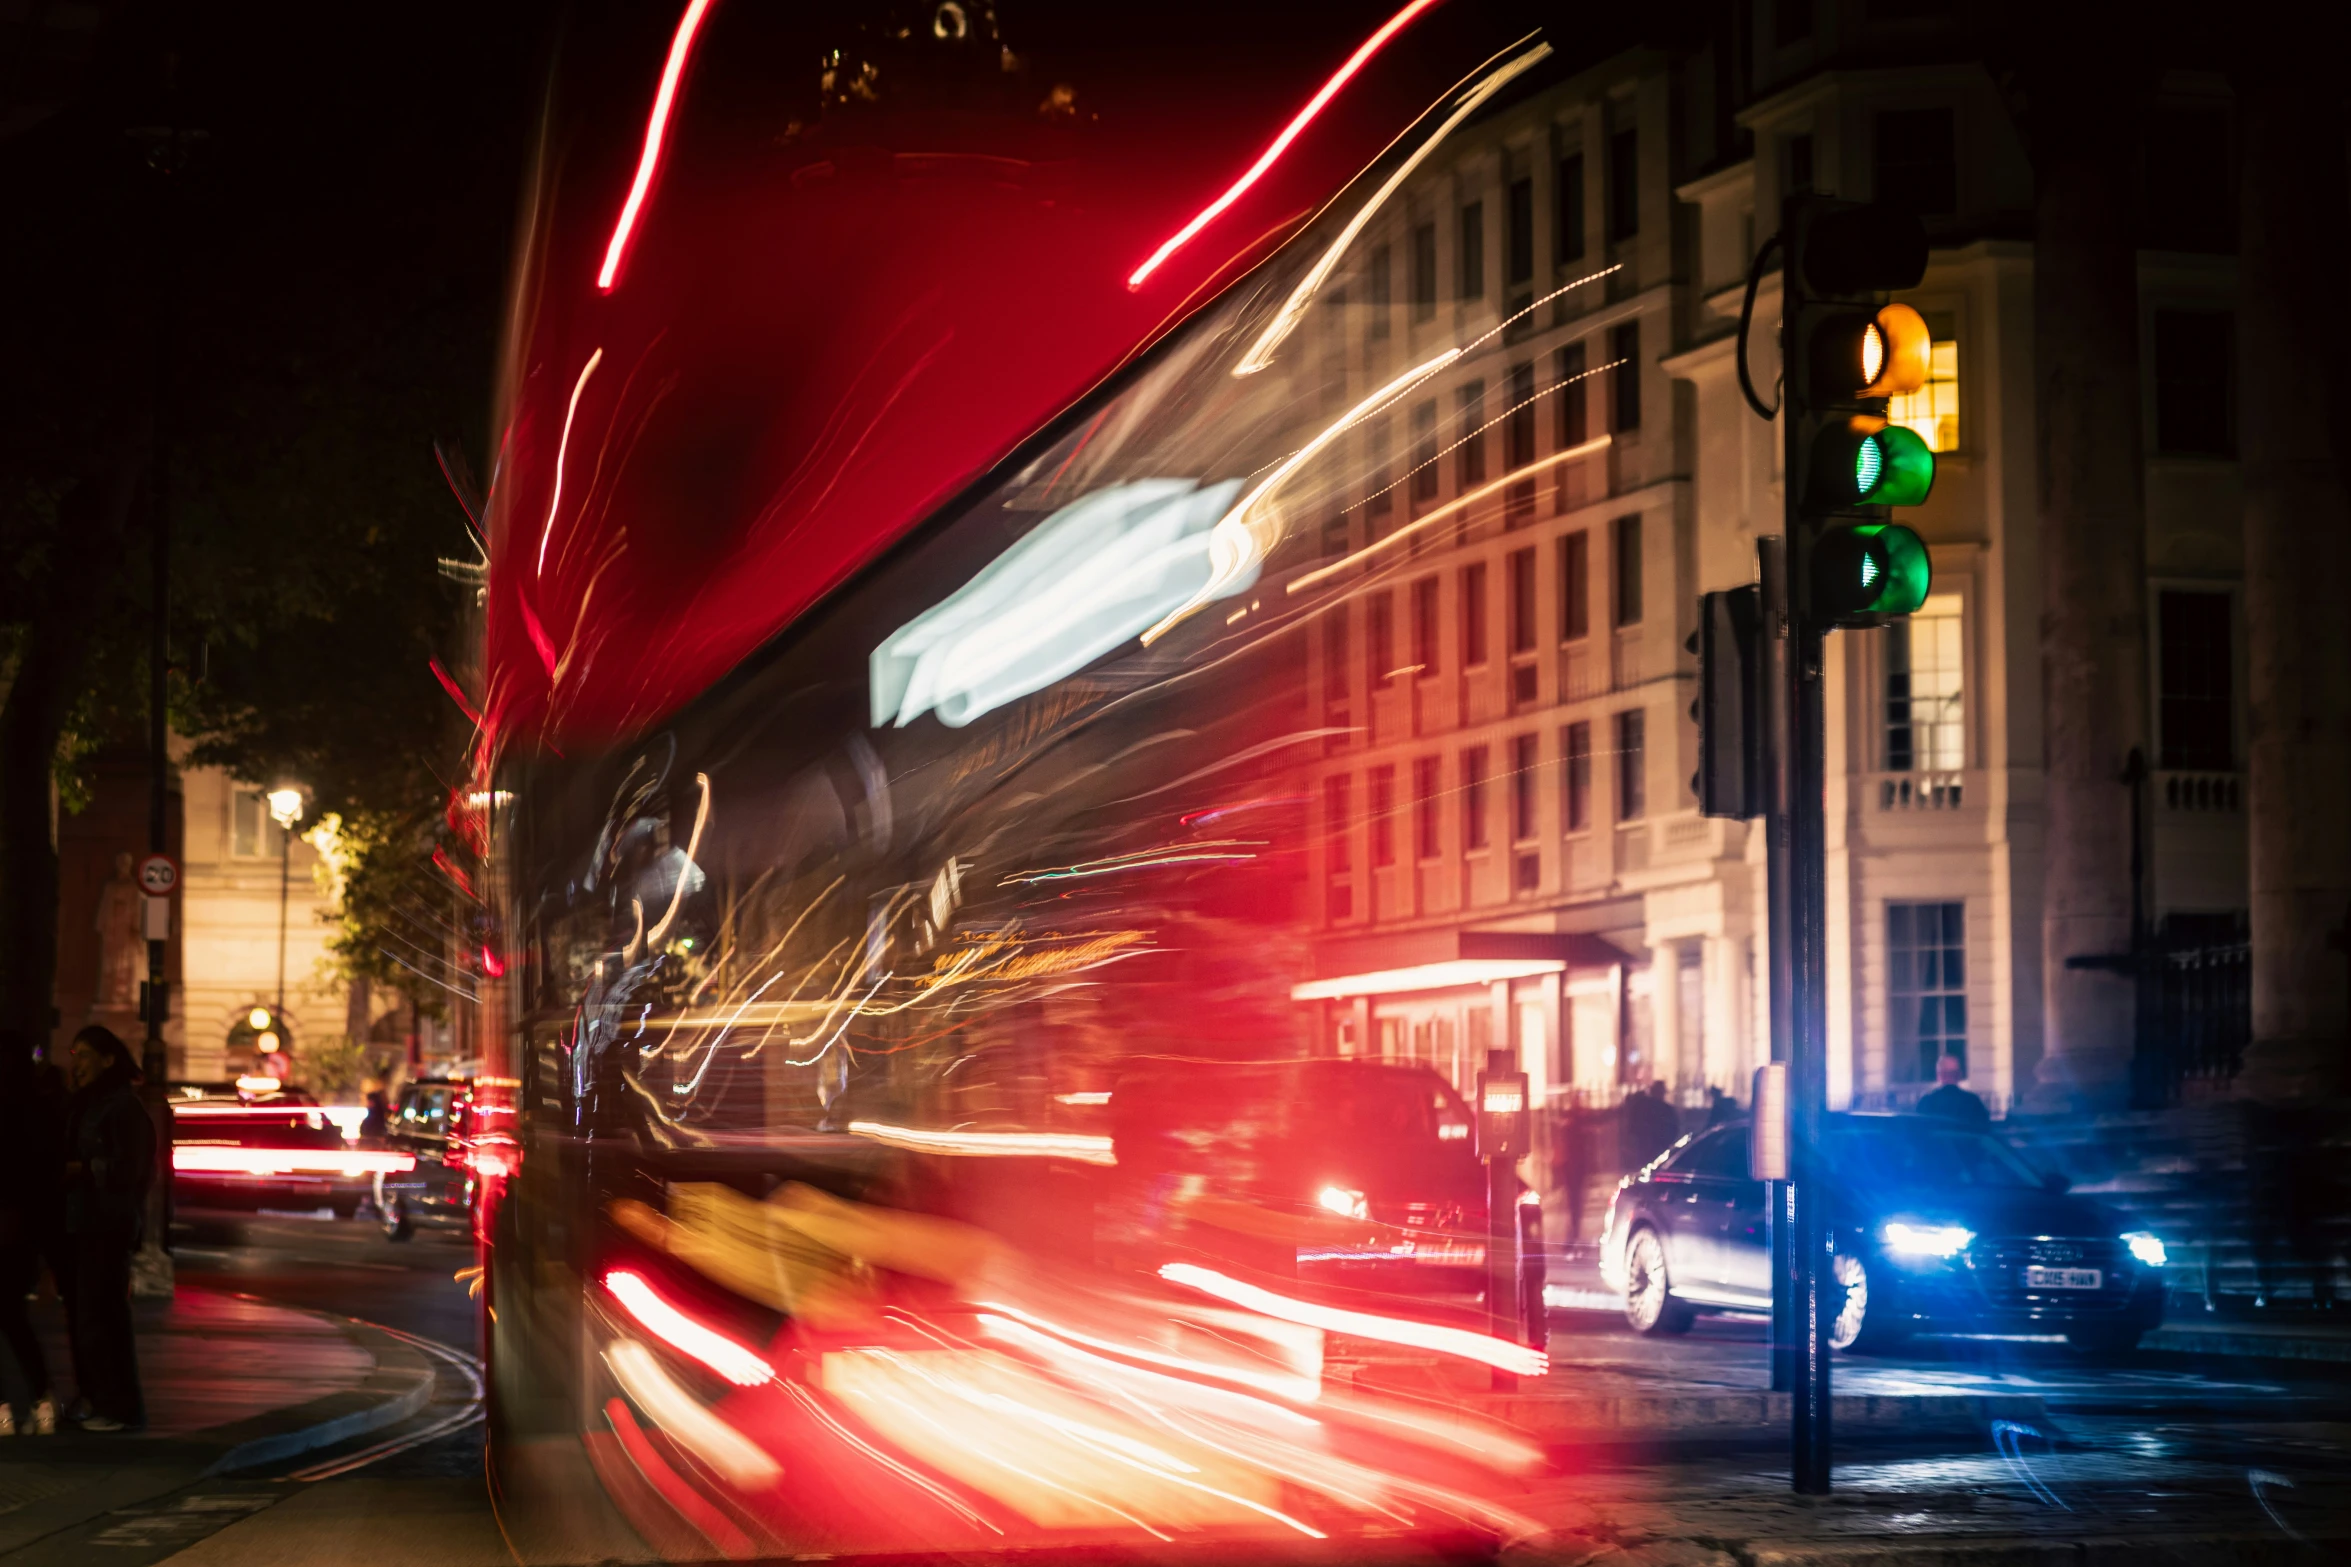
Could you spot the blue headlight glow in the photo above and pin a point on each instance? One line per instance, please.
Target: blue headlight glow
(2147, 1248)
(1925, 1240)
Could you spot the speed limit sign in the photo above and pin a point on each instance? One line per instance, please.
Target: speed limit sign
(159, 874)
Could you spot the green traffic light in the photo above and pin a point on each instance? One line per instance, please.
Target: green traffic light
(1868, 462)
(1878, 568)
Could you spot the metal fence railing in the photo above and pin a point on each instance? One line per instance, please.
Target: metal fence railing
(2195, 1017)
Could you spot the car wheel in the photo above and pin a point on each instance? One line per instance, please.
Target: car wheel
(1649, 1303)
(2107, 1338)
(397, 1222)
(1856, 1326)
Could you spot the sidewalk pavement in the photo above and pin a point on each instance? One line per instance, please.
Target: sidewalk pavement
(231, 1383)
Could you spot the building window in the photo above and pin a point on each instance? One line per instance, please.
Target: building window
(1383, 816)
(1424, 271)
(1338, 859)
(1917, 165)
(1381, 284)
(1521, 571)
(1424, 627)
(1791, 22)
(1933, 410)
(1520, 240)
(1575, 762)
(1575, 586)
(1632, 765)
(1926, 988)
(1425, 843)
(2195, 384)
(1522, 789)
(1625, 546)
(1518, 434)
(2196, 680)
(1334, 534)
(2190, 182)
(1624, 185)
(1624, 376)
(1473, 251)
(1379, 496)
(1473, 798)
(1469, 458)
(1424, 454)
(1379, 638)
(1926, 731)
(1573, 414)
(1473, 615)
(1571, 207)
(1799, 164)
(252, 834)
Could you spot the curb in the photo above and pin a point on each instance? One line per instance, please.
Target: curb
(1570, 1419)
(2250, 1342)
(400, 1385)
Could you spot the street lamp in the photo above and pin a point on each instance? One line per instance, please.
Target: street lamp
(285, 808)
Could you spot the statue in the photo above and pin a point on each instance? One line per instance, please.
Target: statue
(122, 941)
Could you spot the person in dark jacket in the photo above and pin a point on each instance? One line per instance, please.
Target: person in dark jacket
(109, 1164)
(31, 1160)
(1647, 1126)
(1952, 1102)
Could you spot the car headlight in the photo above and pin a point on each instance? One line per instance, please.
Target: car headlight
(1343, 1202)
(1925, 1240)
(2147, 1249)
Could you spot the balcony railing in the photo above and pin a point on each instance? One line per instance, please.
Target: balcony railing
(2200, 792)
(1921, 791)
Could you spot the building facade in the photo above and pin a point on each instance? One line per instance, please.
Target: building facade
(1510, 852)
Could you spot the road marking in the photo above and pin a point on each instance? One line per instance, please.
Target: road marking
(468, 1366)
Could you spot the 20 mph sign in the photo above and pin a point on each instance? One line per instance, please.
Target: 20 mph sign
(159, 874)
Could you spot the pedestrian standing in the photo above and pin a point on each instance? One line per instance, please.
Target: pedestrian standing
(1952, 1102)
(31, 1160)
(1647, 1126)
(109, 1165)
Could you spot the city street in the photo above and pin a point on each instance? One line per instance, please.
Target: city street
(2226, 1446)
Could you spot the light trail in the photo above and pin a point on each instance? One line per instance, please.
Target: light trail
(234, 1159)
(990, 1145)
(1499, 1353)
(656, 128)
(683, 1334)
(555, 499)
(1280, 144)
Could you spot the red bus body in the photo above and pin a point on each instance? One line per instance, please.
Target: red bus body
(917, 436)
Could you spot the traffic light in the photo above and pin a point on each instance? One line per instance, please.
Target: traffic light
(1846, 355)
(1729, 707)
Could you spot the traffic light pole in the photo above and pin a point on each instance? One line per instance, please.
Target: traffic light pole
(1771, 560)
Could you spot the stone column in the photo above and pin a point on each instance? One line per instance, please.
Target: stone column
(2091, 472)
(2294, 339)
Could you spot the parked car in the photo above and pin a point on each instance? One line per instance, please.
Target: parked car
(1935, 1228)
(432, 1121)
(1348, 1174)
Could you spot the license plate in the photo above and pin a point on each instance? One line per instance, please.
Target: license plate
(2063, 1278)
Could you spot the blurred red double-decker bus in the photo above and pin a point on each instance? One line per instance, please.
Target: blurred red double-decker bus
(946, 453)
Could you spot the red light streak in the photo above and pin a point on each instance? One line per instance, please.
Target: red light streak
(673, 1487)
(491, 966)
(227, 1159)
(1498, 1353)
(683, 1334)
(655, 128)
(1275, 149)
